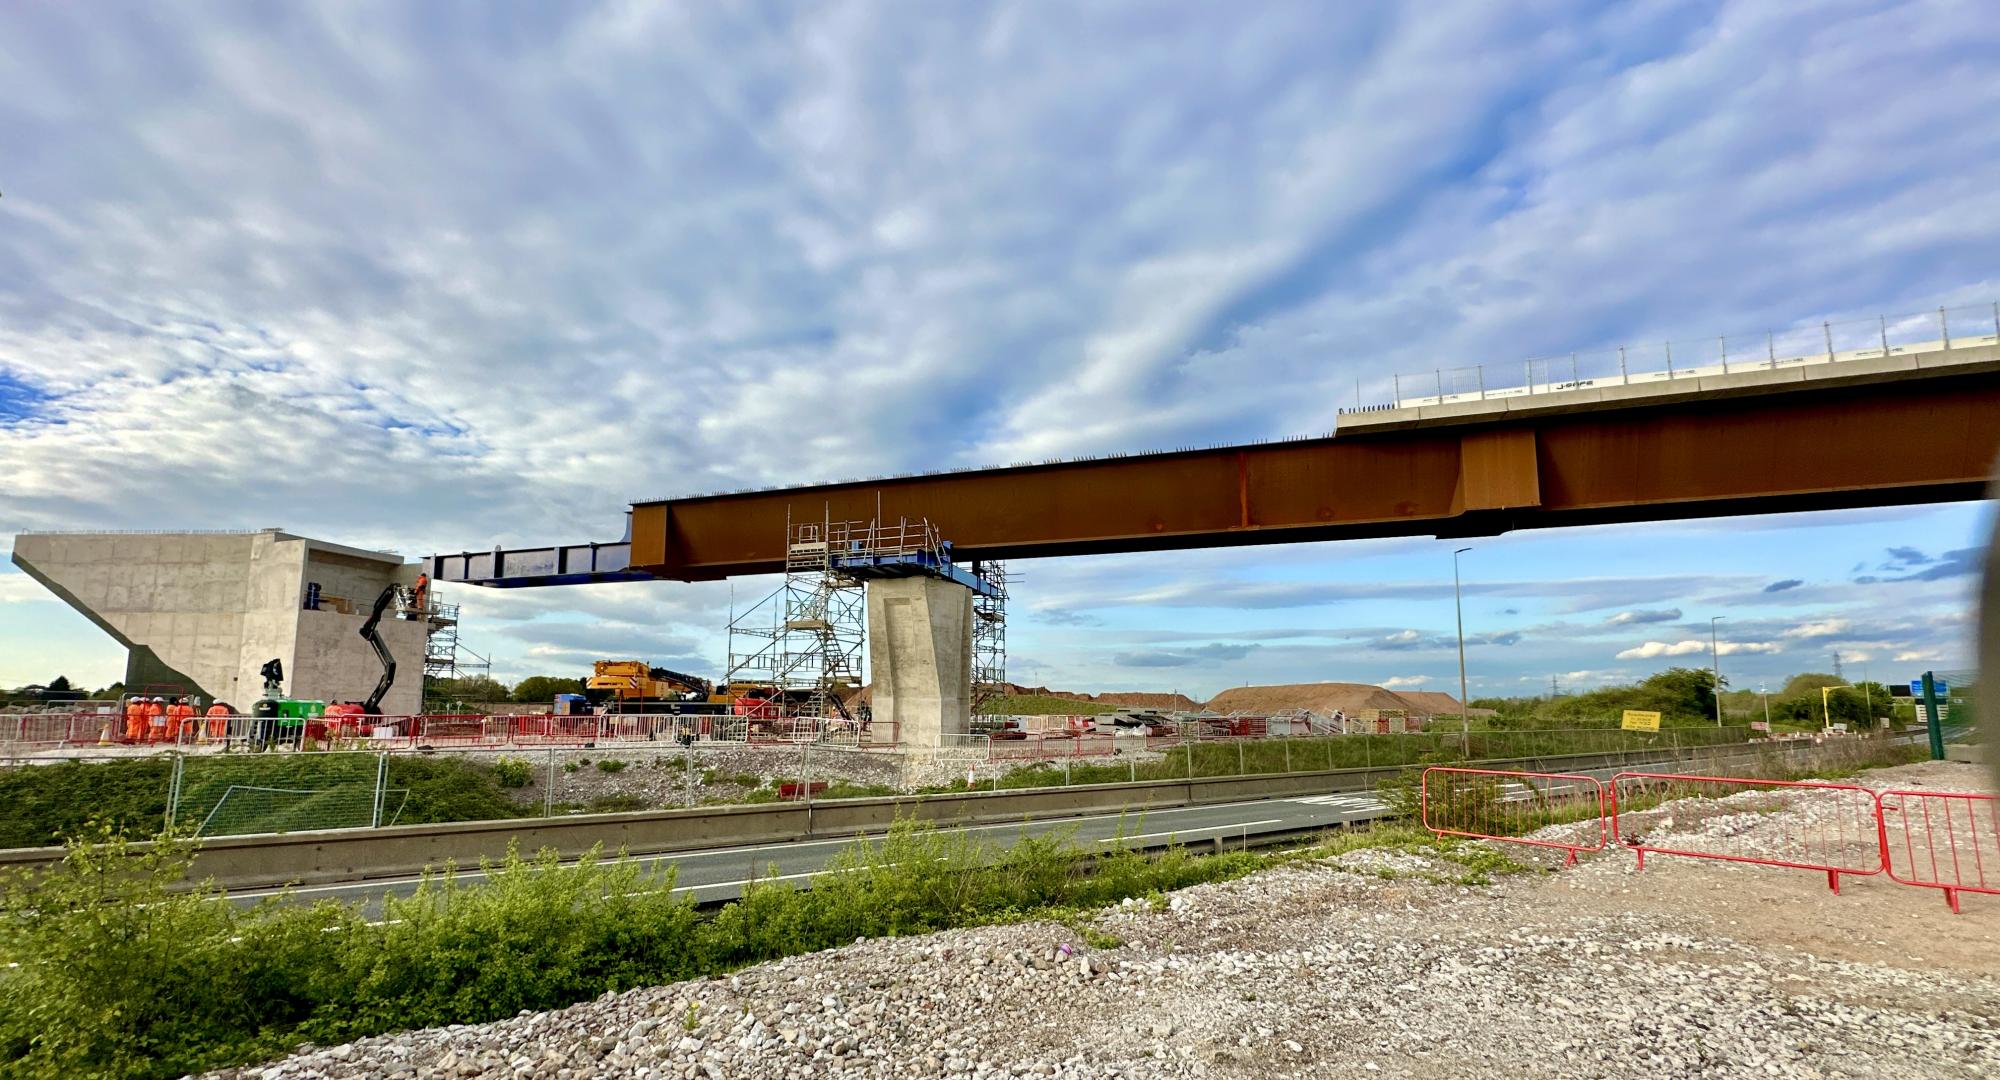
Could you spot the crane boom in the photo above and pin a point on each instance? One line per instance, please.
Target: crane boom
(373, 706)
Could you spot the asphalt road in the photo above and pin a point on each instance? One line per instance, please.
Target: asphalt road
(720, 874)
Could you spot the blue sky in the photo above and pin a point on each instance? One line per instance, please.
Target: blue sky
(437, 276)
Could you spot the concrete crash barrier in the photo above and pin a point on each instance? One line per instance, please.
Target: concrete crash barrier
(323, 857)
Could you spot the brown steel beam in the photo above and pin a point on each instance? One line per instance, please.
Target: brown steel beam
(1918, 440)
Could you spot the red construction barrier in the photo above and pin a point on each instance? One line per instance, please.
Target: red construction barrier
(49, 729)
(1942, 840)
(1050, 746)
(1499, 804)
(1838, 830)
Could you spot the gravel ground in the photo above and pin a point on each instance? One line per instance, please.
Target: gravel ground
(1373, 963)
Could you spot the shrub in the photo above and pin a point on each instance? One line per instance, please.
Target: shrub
(513, 773)
(610, 765)
(113, 973)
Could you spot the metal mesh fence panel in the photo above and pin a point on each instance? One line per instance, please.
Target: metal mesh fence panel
(231, 795)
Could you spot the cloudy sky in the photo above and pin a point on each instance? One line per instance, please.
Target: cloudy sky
(435, 276)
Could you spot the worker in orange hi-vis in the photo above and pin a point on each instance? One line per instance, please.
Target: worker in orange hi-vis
(420, 593)
(175, 710)
(218, 721)
(135, 720)
(156, 719)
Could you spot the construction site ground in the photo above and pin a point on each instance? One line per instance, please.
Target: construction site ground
(1376, 962)
(726, 773)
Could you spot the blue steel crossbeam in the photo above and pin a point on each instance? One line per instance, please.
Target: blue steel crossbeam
(594, 563)
(919, 563)
(521, 568)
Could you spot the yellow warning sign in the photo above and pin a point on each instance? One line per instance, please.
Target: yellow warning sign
(1641, 720)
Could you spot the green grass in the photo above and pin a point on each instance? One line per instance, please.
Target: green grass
(1043, 705)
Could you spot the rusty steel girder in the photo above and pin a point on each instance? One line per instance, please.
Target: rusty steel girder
(1911, 440)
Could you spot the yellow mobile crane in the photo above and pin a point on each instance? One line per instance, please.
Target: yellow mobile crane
(636, 686)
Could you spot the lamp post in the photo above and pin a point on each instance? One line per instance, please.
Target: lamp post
(1715, 667)
(1458, 604)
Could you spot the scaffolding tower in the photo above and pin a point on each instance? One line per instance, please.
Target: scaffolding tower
(989, 643)
(803, 642)
(445, 657)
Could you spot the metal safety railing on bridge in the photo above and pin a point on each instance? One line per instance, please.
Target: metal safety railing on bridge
(1827, 342)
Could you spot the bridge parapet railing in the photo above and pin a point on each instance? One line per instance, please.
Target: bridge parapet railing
(1828, 341)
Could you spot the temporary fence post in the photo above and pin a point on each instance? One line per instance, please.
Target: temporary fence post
(1288, 755)
(381, 782)
(1329, 755)
(1624, 376)
(1771, 347)
(687, 758)
(173, 791)
(1132, 769)
(549, 788)
(1066, 768)
(1241, 768)
(1724, 342)
(1670, 360)
(1827, 327)
(1944, 328)
(806, 774)
(1885, 334)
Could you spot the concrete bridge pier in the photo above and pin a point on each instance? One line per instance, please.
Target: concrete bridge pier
(920, 658)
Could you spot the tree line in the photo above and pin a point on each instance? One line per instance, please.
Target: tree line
(1686, 696)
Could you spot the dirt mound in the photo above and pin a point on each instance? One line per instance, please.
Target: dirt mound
(1430, 702)
(1322, 698)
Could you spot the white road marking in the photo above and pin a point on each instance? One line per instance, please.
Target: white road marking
(1343, 802)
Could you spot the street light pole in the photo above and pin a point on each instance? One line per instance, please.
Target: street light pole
(1458, 604)
(1715, 667)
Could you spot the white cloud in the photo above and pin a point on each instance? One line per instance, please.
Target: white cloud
(1405, 681)
(22, 589)
(271, 269)
(1911, 655)
(1819, 629)
(1654, 649)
